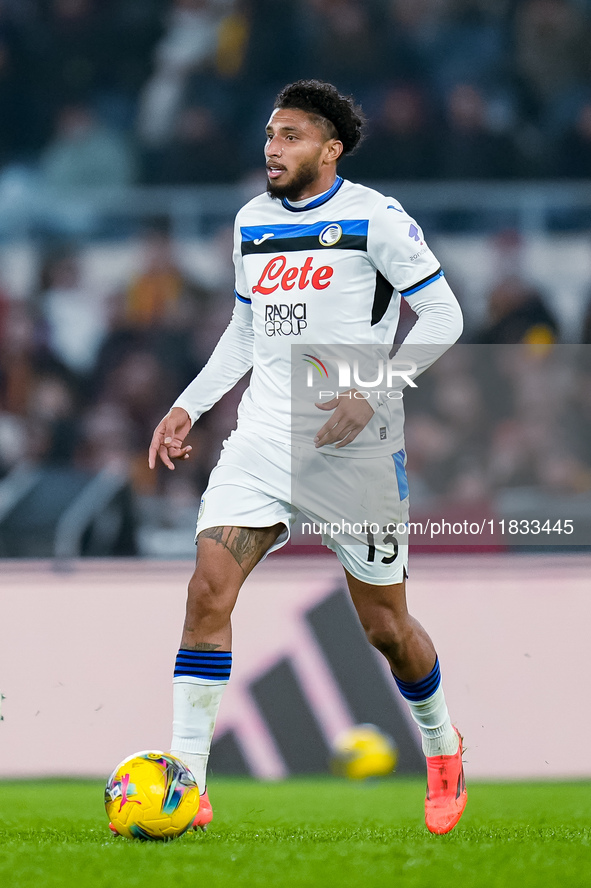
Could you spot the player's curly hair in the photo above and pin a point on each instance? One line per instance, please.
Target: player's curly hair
(344, 117)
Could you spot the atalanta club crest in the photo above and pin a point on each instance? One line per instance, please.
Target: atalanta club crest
(330, 235)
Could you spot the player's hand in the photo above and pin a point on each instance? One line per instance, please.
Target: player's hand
(168, 437)
(350, 417)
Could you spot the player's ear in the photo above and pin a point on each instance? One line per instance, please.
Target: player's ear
(335, 149)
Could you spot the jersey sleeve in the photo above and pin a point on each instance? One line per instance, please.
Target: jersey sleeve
(230, 360)
(233, 355)
(241, 288)
(397, 248)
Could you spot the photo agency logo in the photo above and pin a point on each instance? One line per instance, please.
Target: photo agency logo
(374, 377)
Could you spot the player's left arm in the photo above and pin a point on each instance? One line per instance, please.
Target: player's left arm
(439, 324)
(398, 249)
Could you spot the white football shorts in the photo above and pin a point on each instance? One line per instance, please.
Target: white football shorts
(358, 505)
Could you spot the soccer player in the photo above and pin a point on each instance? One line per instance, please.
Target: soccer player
(316, 258)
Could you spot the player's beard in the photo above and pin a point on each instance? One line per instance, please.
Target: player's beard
(305, 175)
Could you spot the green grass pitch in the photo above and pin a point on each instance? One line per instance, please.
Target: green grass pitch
(312, 832)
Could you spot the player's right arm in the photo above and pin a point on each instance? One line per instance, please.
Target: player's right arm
(230, 360)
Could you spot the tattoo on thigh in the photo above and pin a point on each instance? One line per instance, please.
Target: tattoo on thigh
(213, 533)
(245, 544)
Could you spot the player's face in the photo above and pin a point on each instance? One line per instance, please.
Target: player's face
(300, 159)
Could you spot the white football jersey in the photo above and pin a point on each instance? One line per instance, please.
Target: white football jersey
(330, 270)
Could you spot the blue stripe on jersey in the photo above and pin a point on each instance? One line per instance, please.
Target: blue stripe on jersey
(212, 665)
(420, 690)
(401, 474)
(424, 283)
(242, 298)
(358, 227)
(319, 200)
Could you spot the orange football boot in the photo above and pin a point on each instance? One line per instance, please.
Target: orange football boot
(204, 814)
(446, 791)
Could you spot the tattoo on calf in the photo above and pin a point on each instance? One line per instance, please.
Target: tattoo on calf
(201, 646)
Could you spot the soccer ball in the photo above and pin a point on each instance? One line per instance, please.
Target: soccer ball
(151, 795)
(363, 751)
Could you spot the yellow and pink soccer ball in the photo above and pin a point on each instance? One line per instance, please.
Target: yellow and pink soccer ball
(151, 795)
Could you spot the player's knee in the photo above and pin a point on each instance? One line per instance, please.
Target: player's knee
(208, 599)
(387, 635)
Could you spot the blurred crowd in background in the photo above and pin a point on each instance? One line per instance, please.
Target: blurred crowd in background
(86, 376)
(96, 92)
(113, 93)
